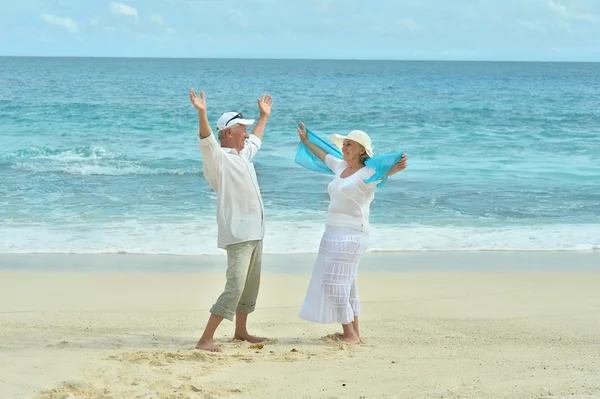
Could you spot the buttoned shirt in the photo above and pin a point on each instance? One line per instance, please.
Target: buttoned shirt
(240, 210)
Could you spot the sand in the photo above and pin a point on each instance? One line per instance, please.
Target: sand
(477, 325)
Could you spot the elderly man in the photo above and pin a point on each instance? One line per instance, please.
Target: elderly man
(240, 214)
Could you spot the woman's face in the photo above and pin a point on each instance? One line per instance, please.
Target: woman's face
(351, 150)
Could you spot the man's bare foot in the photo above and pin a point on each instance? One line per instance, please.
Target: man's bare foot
(250, 338)
(208, 346)
(353, 339)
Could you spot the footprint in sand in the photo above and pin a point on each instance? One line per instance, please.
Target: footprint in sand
(163, 358)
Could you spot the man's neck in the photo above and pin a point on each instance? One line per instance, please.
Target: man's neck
(229, 146)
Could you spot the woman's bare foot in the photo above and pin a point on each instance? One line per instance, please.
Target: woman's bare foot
(208, 346)
(350, 336)
(339, 336)
(250, 338)
(351, 340)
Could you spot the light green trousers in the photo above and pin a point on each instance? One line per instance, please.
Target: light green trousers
(243, 280)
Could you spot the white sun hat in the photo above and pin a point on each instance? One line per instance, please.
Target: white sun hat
(356, 135)
(229, 119)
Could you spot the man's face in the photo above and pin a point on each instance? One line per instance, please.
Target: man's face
(239, 135)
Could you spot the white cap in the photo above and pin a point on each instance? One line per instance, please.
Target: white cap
(229, 119)
(356, 135)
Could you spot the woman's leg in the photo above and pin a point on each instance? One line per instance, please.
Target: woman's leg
(332, 291)
(355, 304)
(351, 330)
(356, 329)
(350, 335)
(310, 309)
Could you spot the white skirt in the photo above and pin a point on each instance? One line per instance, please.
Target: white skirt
(332, 294)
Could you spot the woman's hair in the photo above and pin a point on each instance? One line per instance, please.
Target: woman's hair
(364, 156)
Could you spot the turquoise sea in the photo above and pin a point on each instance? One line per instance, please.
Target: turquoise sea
(100, 155)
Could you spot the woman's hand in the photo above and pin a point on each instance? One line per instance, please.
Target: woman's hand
(302, 133)
(398, 166)
(401, 165)
(315, 149)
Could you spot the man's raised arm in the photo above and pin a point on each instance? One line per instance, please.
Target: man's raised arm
(200, 104)
(209, 146)
(264, 106)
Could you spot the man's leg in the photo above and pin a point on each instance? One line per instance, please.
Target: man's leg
(248, 299)
(241, 332)
(206, 340)
(238, 258)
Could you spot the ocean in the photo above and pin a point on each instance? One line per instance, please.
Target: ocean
(100, 155)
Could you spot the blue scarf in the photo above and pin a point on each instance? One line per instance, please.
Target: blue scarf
(305, 158)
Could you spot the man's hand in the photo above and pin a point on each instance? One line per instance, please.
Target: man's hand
(302, 132)
(199, 103)
(264, 105)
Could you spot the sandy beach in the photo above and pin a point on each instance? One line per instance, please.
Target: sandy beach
(435, 325)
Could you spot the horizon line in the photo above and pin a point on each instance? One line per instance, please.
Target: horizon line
(295, 59)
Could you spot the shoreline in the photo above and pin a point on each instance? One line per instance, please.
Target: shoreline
(380, 262)
(376, 251)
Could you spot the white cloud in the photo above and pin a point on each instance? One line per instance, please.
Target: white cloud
(325, 6)
(240, 19)
(562, 11)
(559, 9)
(410, 24)
(123, 9)
(577, 49)
(57, 3)
(158, 19)
(566, 26)
(470, 12)
(40, 37)
(162, 24)
(455, 52)
(204, 37)
(68, 23)
(536, 26)
(452, 53)
(398, 27)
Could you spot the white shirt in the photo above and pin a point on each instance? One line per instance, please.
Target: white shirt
(350, 197)
(240, 211)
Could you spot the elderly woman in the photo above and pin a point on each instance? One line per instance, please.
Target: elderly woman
(332, 294)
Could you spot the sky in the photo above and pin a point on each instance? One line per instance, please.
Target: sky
(503, 30)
